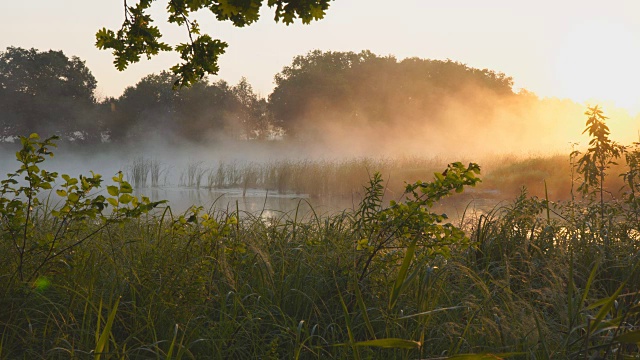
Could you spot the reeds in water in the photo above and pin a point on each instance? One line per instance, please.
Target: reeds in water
(139, 171)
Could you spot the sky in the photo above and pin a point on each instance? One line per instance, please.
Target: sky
(587, 51)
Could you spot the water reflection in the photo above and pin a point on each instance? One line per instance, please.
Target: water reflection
(268, 204)
(255, 201)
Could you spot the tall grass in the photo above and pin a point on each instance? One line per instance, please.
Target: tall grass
(530, 279)
(228, 285)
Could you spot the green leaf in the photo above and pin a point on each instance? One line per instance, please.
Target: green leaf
(73, 197)
(363, 309)
(316, 12)
(485, 356)
(42, 283)
(125, 198)
(61, 193)
(113, 201)
(631, 337)
(432, 311)
(391, 343)
(112, 190)
(125, 188)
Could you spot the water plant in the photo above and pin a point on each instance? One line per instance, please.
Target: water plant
(158, 170)
(138, 171)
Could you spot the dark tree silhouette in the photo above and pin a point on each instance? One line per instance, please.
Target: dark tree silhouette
(198, 113)
(48, 93)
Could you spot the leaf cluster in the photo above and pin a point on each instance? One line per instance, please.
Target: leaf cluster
(63, 226)
(138, 37)
(601, 153)
(410, 224)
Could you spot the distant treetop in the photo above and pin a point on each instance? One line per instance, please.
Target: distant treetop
(45, 92)
(321, 87)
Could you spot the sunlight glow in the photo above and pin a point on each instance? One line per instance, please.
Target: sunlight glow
(594, 63)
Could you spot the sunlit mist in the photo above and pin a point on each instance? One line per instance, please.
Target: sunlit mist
(593, 63)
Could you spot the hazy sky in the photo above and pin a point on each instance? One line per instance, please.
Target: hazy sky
(563, 48)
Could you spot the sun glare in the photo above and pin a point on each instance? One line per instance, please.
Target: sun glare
(598, 61)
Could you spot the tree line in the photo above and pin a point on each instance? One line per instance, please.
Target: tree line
(49, 93)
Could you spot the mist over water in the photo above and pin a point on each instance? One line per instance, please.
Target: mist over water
(333, 120)
(510, 131)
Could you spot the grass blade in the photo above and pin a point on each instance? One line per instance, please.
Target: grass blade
(391, 343)
(363, 309)
(104, 337)
(483, 356)
(631, 337)
(402, 274)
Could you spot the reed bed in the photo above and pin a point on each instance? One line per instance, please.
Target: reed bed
(503, 178)
(531, 285)
(138, 171)
(141, 169)
(317, 178)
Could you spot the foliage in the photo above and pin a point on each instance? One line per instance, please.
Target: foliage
(601, 154)
(46, 92)
(196, 114)
(37, 242)
(366, 89)
(593, 166)
(251, 115)
(409, 224)
(318, 95)
(138, 37)
(632, 180)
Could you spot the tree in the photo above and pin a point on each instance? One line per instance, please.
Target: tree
(138, 37)
(205, 110)
(144, 108)
(252, 117)
(46, 92)
(363, 88)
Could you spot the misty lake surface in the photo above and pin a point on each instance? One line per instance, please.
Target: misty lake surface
(254, 201)
(268, 204)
